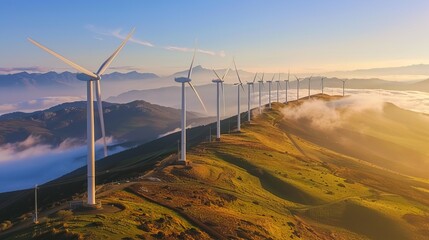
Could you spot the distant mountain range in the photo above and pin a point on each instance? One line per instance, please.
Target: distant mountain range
(417, 69)
(54, 79)
(203, 75)
(137, 121)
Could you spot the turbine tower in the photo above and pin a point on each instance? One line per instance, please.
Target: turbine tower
(260, 85)
(286, 85)
(309, 86)
(322, 84)
(297, 88)
(239, 85)
(278, 87)
(248, 96)
(36, 216)
(269, 90)
(183, 81)
(219, 81)
(344, 83)
(90, 78)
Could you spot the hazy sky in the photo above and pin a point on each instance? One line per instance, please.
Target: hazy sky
(304, 35)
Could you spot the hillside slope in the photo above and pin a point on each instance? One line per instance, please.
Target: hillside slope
(134, 121)
(273, 180)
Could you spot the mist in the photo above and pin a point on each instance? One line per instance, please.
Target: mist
(30, 162)
(329, 115)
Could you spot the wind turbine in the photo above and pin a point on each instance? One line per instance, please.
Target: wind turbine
(183, 81)
(297, 88)
(309, 85)
(322, 84)
(220, 81)
(260, 85)
(239, 85)
(286, 85)
(344, 83)
(90, 78)
(269, 90)
(248, 96)
(278, 87)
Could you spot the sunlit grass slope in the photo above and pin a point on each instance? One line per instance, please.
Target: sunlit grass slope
(273, 180)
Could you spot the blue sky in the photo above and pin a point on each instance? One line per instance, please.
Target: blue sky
(304, 36)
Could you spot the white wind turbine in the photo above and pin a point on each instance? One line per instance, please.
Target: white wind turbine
(269, 90)
(297, 87)
(249, 100)
(90, 78)
(220, 81)
(260, 85)
(309, 87)
(239, 85)
(322, 84)
(183, 81)
(278, 88)
(286, 85)
(344, 83)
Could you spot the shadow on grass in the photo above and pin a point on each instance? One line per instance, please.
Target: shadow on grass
(271, 183)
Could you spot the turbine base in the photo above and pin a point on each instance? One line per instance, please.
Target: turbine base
(181, 163)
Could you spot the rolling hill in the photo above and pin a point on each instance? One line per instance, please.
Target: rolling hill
(284, 176)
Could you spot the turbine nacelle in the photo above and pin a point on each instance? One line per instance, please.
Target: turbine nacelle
(182, 79)
(86, 78)
(217, 81)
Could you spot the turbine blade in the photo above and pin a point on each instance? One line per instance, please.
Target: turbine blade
(226, 73)
(192, 64)
(216, 74)
(65, 60)
(198, 96)
(101, 115)
(238, 75)
(107, 63)
(288, 72)
(254, 79)
(272, 79)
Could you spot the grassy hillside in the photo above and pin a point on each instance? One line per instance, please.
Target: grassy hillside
(273, 180)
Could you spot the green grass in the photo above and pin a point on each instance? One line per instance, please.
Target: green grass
(269, 181)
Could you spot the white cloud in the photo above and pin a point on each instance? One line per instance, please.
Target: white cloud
(173, 131)
(329, 115)
(184, 49)
(37, 104)
(117, 33)
(30, 162)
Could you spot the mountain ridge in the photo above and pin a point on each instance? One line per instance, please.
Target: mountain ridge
(54, 79)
